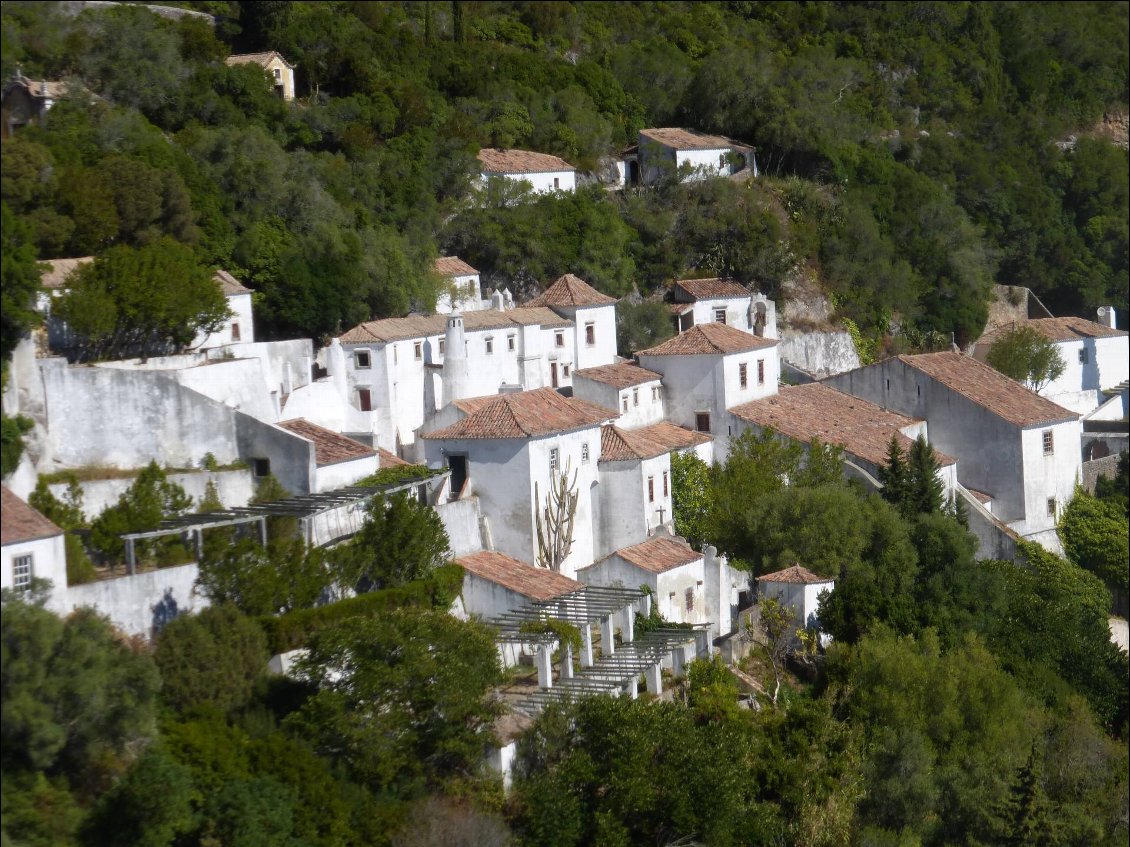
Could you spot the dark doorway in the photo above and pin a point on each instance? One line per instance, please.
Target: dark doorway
(633, 172)
(553, 374)
(458, 466)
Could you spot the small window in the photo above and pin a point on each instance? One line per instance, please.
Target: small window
(565, 370)
(262, 467)
(888, 385)
(690, 599)
(760, 371)
(510, 343)
(719, 316)
(702, 421)
(554, 459)
(1051, 507)
(1049, 442)
(559, 339)
(743, 375)
(235, 332)
(654, 393)
(651, 489)
(442, 345)
(395, 356)
(365, 399)
(635, 396)
(665, 490)
(22, 573)
(625, 402)
(585, 453)
(362, 360)
(278, 73)
(556, 183)
(418, 350)
(490, 345)
(590, 334)
(1083, 356)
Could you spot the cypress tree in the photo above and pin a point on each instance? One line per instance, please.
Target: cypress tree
(895, 476)
(925, 490)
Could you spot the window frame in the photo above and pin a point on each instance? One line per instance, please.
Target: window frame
(418, 350)
(1047, 439)
(590, 334)
(760, 371)
(743, 375)
(584, 453)
(559, 339)
(489, 342)
(651, 489)
(698, 419)
(554, 459)
(22, 581)
(720, 316)
(368, 356)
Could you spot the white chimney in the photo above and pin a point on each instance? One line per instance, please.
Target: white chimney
(1107, 316)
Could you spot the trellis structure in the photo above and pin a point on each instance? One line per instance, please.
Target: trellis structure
(306, 508)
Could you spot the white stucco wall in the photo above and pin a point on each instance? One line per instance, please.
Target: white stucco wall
(819, 353)
(461, 521)
(1047, 476)
(488, 599)
(468, 295)
(543, 183)
(603, 349)
(669, 589)
(141, 604)
(49, 561)
(638, 405)
(706, 163)
(1079, 387)
(804, 600)
(625, 513)
(737, 311)
(341, 474)
(235, 488)
(241, 317)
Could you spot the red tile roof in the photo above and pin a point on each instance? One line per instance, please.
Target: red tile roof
(659, 555)
(520, 162)
(1057, 329)
(389, 460)
(60, 269)
(674, 437)
(569, 290)
(815, 410)
(620, 445)
(989, 389)
(453, 266)
(424, 326)
(706, 289)
(526, 414)
(229, 284)
(712, 339)
(687, 139)
(527, 580)
(263, 59)
(329, 447)
(620, 375)
(20, 522)
(796, 575)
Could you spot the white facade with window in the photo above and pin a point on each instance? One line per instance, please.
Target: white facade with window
(638, 405)
(32, 549)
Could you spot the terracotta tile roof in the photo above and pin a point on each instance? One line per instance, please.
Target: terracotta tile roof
(422, 326)
(989, 389)
(520, 162)
(681, 308)
(527, 580)
(60, 269)
(389, 460)
(229, 284)
(20, 522)
(453, 266)
(526, 414)
(687, 139)
(621, 445)
(674, 437)
(620, 375)
(706, 289)
(796, 575)
(712, 339)
(981, 496)
(263, 59)
(659, 555)
(329, 447)
(569, 290)
(1056, 329)
(815, 410)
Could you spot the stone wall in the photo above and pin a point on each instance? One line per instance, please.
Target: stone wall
(141, 604)
(235, 488)
(818, 353)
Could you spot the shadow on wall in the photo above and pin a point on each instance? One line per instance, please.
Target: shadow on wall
(163, 611)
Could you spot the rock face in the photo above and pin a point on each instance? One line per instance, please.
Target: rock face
(819, 353)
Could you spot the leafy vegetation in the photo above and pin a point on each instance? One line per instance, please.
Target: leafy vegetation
(1026, 355)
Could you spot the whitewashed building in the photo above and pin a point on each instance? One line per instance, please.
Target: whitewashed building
(1020, 449)
(494, 583)
(664, 151)
(542, 172)
(1096, 357)
(804, 413)
(701, 301)
(593, 315)
(667, 566)
(511, 451)
(32, 546)
(633, 494)
(799, 589)
(635, 392)
(709, 369)
(338, 460)
(462, 290)
(278, 70)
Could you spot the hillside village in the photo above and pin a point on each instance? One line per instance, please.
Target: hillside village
(561, 470)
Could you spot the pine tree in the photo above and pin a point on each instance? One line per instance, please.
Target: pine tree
(895, 476)
(926, 494)
(1024, 818)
